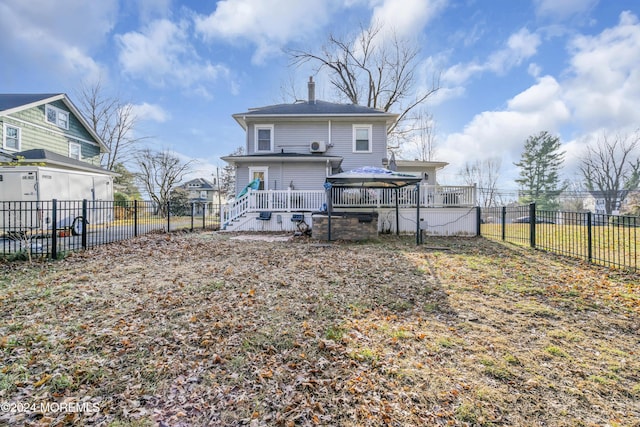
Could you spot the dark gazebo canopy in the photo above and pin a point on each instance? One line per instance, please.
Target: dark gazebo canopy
(372, 177)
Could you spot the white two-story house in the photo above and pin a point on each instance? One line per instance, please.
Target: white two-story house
(298, 145)
(292, 148)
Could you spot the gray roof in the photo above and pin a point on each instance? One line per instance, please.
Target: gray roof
(40, 155)
(203, 184)
(13, 100)
(315, 109)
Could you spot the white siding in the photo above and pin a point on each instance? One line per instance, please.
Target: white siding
(305, 175)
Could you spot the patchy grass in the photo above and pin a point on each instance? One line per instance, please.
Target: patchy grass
(198, 329)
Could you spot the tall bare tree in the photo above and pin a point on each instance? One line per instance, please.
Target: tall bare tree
(612, 168)
(159, 172)
(372, 71)
(113, 120)
(484, 174)
(423, 138)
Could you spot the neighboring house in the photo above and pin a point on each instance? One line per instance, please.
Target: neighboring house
(202, 192)
(596, 202)
(298, 145)
(44, 136)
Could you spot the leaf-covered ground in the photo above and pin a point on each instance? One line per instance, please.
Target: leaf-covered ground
(200, 329)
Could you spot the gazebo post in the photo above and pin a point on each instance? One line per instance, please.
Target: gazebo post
(397, 214)
(418, 234)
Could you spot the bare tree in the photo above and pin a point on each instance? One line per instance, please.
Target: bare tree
(573, 196)
(484, 175)
(612, 168)
(423, 137)
(159, 173)
(372, 71)
(113, 121)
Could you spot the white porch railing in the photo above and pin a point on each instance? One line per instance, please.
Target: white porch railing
(431, 196)
(274, 201)
(309, 201)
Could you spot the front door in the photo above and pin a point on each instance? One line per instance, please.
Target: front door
(262, 174)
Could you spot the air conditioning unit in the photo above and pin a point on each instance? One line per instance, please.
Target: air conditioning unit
(318, 147)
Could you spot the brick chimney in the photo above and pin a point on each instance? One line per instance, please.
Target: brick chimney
(312, 90)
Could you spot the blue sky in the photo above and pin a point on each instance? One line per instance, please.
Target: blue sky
(509, 68)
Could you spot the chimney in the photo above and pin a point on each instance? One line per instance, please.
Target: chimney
(312, 91)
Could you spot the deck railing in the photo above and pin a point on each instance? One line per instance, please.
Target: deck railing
(314, 200)
(432, 196)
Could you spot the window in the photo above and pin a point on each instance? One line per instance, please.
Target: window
(75, 151)
(11, 140)
(203, 194)
(264, 138)
(362, 138)
(56, 116)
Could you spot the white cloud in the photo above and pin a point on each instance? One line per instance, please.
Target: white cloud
(57, 35)
(269, 24)
(406, 17)
(162, 55)
(519, 47)
(502, 133)
(604, 84)
(152, 112)
(560, 10)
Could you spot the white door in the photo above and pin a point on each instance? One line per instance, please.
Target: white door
(262, 173)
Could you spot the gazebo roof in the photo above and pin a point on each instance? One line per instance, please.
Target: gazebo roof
(372, 177)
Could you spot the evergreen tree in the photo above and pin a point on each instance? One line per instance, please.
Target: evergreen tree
(124, 183)
(539, 165)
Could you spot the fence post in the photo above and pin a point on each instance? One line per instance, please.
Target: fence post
(193, 213)
(84, 223)
(204, 215)
(135, 218)
(503, 222)
(54, 229)
(589, 238)
(168, 217)
(478, 221)
(532, 225)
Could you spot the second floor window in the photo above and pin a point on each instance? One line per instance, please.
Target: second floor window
(362, 138)
(264, 138)
(11, 140)
(75, 150)
(56, 116)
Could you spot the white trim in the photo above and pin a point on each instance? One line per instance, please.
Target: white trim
(4, 137)
(370, 132)
(75, 144)
(263, 169)
(257, 128)
(62, 124)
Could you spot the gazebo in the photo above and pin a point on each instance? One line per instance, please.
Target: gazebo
(373, 178)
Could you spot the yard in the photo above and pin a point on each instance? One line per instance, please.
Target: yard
(200, 329)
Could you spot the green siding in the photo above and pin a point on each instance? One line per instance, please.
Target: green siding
(49, 136)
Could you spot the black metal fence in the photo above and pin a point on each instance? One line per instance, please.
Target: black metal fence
(609, 240)
(52, 228)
